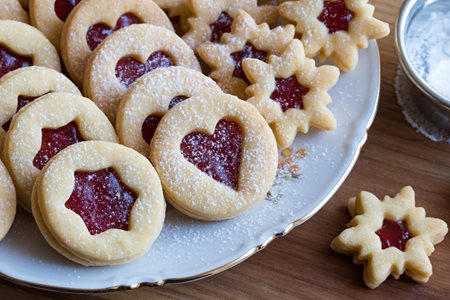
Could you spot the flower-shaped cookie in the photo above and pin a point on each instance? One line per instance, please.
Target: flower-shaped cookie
(334, 28)
(291, 92)
(211, 19)
(246, 40)
(392, 236)
(12, 10)
(177, 10)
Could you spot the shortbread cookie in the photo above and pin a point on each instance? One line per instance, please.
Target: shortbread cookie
(178, 12)
(22, 86)
(92, 21)
(334, 28)
(7, 201)
(246, 40)
(12, 10)
(45, 127)
(291, 92)
(99, 203)
(216, 156)
(390, 237)
(49, 17)
(24, 3)
(151, 97)
(22, 45)
(127, 55)
(211, 19)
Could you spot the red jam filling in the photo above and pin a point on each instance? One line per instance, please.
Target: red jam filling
(220, 26)
(54, 141)
(10, 61)
(218, 155)
(102, 200)
(128, 69)
(98, 32)
(64, 7)
(21, 102)
(249, 51)
(176, 100)
(336, 16)
(289, 93)
(394, 234)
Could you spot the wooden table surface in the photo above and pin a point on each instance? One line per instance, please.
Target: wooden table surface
(302, 264)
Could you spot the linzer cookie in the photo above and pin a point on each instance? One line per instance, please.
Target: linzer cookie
(99, 203)
(45, 127)
(22, 86)
(390, 237)
(127, 55)
(12, 10)
(178, 12)
(8, 201)
(91, 21)
(219, 151)
(151, 97)
(334, 28)
(291, 92)
(246, 40)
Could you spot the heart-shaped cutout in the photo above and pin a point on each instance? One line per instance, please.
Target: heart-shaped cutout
(218, 155)
(64, 7)
(98, 32)
(128, 69)
(10, 61)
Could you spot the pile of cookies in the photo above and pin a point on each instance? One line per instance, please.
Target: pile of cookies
(92, 169)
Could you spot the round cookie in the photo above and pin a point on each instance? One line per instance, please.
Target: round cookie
(216, 156)
(75, 203)
(22, 45)
(12, 10)
(7, 201)
(151, 97)
(120, 60)
(43, 128)
(20, 87)
(93, 20)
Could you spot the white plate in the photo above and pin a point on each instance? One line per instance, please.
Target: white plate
(189, 249)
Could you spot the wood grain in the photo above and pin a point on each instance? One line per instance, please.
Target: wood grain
(302, 264)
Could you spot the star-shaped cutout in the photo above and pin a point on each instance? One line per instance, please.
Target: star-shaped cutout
(364, 239)
(291, 92)
(324, 36)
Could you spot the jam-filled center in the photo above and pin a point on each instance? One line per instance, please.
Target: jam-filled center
(10, 61)
(64, 7)
(21, 102)
(394, 234)
(98, 32)
(220, 26)
(128, 69)
(335, 15)
(289, 93)
(102, 200)
(249, 51)
(218, 155)
(54, 141)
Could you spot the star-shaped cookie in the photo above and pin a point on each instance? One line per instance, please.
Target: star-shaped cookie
(176, 9)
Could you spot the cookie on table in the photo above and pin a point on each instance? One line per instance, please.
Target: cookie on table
(215, 155)
(99, 203)
(146, 102)
(291, 92)
(390, 237)
(45, 127)
(8, 201)
(127, 55)
(334, 28)
(12, 10)
(91, 21)
(22, 86)
(246, 40)
(178, 12)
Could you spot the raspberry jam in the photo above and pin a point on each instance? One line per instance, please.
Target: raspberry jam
(220, 26)
(64, 7)
(128, 69)
(98, 32)
(102, 200)
(218, 155)
(54, 141)
(176, 100)
(10, 61)
(336, 16)
(21, 102)
(289, 93)
(249, 51)
(393, 234)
